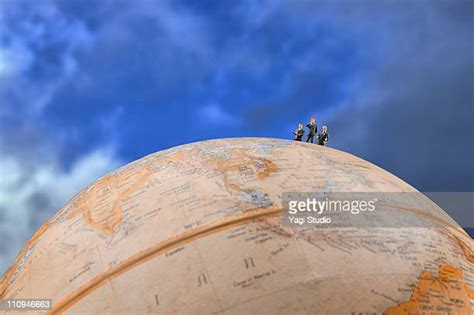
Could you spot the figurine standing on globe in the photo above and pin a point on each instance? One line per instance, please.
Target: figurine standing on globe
(323, 137)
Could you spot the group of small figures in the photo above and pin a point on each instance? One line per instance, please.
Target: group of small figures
(321, 138)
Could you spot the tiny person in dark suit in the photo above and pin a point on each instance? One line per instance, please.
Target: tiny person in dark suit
(299, 132)
(323, 137)
(312, 130)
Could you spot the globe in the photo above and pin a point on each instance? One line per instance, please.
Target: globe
(197, 229)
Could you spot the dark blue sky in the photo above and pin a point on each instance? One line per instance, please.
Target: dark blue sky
(87, 86)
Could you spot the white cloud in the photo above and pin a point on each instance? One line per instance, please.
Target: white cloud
(38, 38)
(215, 115)
(37, 58)
(29, 195)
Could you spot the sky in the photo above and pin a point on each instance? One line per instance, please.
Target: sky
(88, 86)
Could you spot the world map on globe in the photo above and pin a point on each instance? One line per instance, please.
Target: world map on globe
(198, 229)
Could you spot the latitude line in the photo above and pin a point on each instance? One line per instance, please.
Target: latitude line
(160, 248)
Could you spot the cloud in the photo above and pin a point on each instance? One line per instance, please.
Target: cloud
(38, 57)
(412, 117)
(29, 194)
(409, 108)
(214, 115)
(38, 54)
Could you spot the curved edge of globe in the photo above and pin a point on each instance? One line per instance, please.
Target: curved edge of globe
(10, 271)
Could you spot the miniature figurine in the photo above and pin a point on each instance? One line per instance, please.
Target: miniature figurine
(312, 130)
(299, 132)
(323, 137)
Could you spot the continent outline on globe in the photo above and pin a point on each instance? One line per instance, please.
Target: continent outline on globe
(207, 215)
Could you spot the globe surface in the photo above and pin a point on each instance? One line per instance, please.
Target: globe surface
(197, 229)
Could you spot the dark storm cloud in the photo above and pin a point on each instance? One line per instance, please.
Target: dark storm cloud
(411, 110)
(416, 119)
